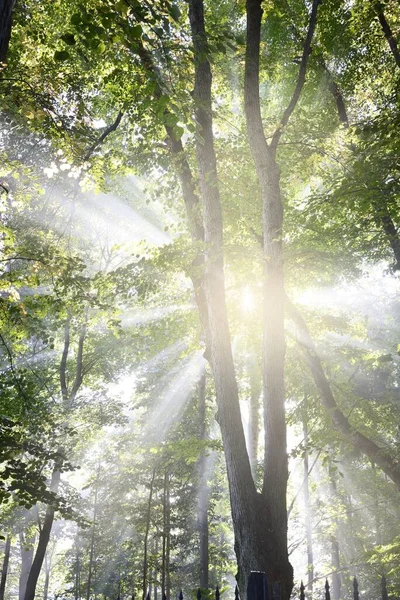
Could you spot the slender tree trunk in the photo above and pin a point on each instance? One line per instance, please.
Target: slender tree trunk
(307, 512)
(6, 10)
(146, 537)
(335, 549)
(4, 569)
(92, 538)
(47, 568)
(26, 547)
(375, 453)
(44, 536)
(168, 539)
(203, 499)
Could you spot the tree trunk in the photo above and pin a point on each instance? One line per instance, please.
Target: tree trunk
(275, 559)
(307, 512)
(248, 514)
(4, 570)
(26, 547)
(254, 409)
(92, 537)
(146, 537)
(47, 568)
(6, 10)
(44, 537)
(375, 453)
(387, 32)
(335, 550)
(203, 499)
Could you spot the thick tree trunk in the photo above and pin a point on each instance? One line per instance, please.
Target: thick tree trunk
(248, 513)
(375, 453)
(26, 547)
(44, 537)
(4, 569)
(6, 10)
(278, 568)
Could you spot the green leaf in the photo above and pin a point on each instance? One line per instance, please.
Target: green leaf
(69, 39)
(136, 31)
(174, 12)
(61, 55)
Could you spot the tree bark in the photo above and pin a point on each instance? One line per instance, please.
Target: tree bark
(4, 569)
(247, 513)
(92, 538)
(373, 451)
(387, 32)
(335, 549)
(254, 416)
(203, 498)
(146, 537)
(26, 547)
(6, 10)
(47, 569)
(307, 511)
(44, 535)
(278, 568)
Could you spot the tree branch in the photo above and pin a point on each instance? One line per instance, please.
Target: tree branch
(387, 32)
(340, 422)
(301, 76)
(63, 364)
(103, 136)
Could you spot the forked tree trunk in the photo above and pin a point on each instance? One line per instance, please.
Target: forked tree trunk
(248, 515)
(275, 557)
(4, 569)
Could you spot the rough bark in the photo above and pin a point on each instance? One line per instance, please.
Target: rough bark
(278, 567)
(4, 569)
(391, 40)
(44, 535)
(371, 449)
(247, 515)
(6, 10)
